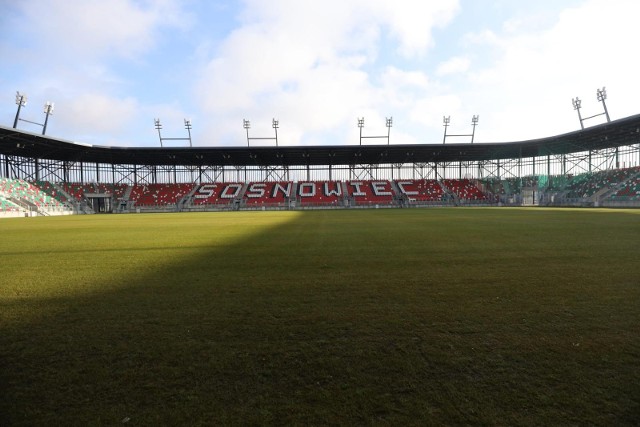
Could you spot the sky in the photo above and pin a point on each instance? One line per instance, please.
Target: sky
(112, 67)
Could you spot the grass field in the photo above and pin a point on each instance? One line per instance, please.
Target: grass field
(400, 317)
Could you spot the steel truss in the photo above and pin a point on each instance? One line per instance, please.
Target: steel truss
(12, 166)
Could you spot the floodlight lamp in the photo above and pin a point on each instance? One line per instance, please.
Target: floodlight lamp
(446, 120)
(275, 123)
(474, 119)
(361, 122)
(602, 94)
(187, 123)
(576, 103)
(389, 121)
(156, 122)
(48, 107)
(21, 99)
(246, 124)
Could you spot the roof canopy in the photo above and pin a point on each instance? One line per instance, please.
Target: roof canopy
(620, 132)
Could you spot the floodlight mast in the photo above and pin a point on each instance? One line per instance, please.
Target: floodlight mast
(187, 126)
(577, 103)
(48, 110)
(601, 96)
(275, 125)
(474, 122)
(388, 124)
(21, 101)
(158, 126)
(446, 120)
(246, 124)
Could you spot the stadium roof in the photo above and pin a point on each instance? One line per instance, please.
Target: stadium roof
(620, 132)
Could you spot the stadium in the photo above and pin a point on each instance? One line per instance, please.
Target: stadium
(426, 284)
(597, 166)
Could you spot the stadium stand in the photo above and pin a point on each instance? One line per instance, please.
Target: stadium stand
(155, 195)
(216, 194)
(274, 194)
(629, 191)
(51, 190)
(79, 190)
(23, 190)
(513, 173)
(8, 206)
(76, 190)
(369, 193)
(465, 190)
(629, 188)
(421, 190)
(27, 197)
(320, 193)
(586, 189)
(589, 184)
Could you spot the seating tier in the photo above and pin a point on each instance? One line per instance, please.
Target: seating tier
(320, 192)
(465, 189)
(159, 194)
(265, 193)
(370, 192)
(424, 190)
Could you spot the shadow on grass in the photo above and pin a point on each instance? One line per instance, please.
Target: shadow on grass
(322, 321)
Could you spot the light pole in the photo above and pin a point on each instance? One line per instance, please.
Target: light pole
(445, 120)
(21, 101)
(389, 124)
(158, 126)
(275, 125)
(474, 122)
(602, 95)
(48, 110)
(577, 104)
(187, 126)
(246, 124)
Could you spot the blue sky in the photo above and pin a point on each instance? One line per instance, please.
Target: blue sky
(111, 67)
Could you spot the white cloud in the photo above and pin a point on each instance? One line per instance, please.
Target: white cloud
(89, 28)
(96, 113)
(311, 61)
(316, 66)
(453, 66)
(530, 84)
(70, 52)
(413, 21)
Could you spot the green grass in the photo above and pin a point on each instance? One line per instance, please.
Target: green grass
(423, 317)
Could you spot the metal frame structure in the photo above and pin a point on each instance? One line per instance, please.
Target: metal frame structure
(446, 122)
(187, 126)
(388, 124)
(21, 101)
(36, 157)
(246, 124)
(601, 95)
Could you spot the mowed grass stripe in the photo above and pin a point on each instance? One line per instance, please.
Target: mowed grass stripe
(454, 316)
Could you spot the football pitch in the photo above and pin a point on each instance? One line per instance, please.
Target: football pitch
(385, 316)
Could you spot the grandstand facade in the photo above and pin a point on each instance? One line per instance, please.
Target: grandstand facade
(597, 166)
